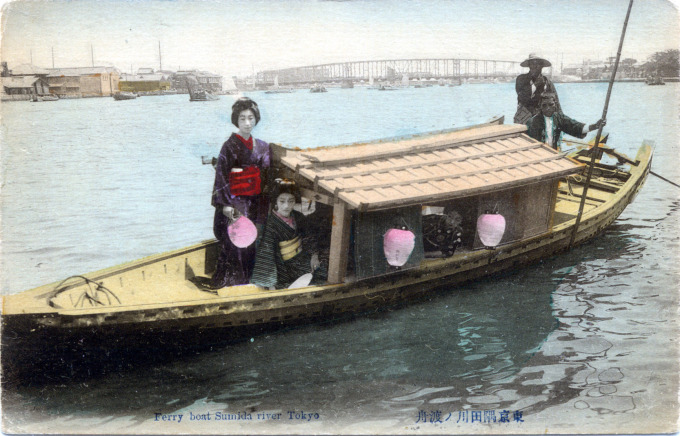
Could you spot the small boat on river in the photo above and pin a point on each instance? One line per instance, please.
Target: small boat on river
(318, 88)
(46, 97)
(469, 203)
(347, 84)
(655, 80)
(201, 95)
(124, 95)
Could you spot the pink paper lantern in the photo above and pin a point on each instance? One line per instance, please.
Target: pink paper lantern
(490, 228)
(242, 232)
(398, 245)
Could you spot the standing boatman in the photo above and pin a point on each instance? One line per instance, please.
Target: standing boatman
(530, 86)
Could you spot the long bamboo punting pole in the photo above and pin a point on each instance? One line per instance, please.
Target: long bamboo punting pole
(599, 130)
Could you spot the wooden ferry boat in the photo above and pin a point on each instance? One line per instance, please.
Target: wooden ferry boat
(360, 191)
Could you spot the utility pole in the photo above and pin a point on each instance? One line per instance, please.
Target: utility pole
(92, 53)
(52, 56)
(160, 58)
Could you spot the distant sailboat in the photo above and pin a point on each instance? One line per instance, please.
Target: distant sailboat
(276, 89)
(371, 83)
(405, 80)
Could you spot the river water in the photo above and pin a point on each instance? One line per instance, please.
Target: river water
(584, 342)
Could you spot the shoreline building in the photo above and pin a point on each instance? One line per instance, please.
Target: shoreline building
(23, 87)
(146, 81)
(83, 81)
(23, 82)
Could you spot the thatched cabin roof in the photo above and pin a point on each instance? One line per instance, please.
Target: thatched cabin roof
(430, 167)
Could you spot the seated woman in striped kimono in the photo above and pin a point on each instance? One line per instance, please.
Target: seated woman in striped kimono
(288, 249)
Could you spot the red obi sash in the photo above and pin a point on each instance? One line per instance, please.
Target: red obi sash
(246, 182)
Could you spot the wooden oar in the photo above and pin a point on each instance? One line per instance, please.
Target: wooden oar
(590, 143)
(599, 130)
(663, 178)
(622, 158)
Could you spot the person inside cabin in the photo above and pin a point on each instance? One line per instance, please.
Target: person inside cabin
(530, 86)
(289, 247)
(240, 175)
(550, 123)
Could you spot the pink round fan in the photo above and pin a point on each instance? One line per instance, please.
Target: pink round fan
(242, 232)
(490, 228)
(398, 245)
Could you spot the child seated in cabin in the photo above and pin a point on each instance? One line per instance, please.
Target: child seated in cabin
(288, 249)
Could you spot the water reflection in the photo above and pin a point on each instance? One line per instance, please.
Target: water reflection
(574, 361)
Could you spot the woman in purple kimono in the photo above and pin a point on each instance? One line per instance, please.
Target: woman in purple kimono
(240, 175)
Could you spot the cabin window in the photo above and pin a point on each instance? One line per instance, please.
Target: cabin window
(369, 238)
(319, 224)
(444, 221)
(527, 212)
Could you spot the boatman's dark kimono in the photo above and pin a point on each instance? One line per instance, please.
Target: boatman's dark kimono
(528, 98)
(560, 123)
(285, 253)
(235, 265)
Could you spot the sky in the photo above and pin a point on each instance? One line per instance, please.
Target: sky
(237, 37)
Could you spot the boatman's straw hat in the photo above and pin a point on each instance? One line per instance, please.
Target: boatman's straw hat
(534, 57)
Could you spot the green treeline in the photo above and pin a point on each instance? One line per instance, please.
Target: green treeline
(664, 64)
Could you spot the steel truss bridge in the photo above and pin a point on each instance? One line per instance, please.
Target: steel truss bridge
(385, 70)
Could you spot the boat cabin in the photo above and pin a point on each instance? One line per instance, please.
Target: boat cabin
(391, 204)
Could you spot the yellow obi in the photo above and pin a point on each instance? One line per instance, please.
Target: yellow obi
(291, 248)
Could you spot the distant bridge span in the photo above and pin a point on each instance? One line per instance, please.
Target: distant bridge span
(391, 70)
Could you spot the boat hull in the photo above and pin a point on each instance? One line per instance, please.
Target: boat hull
(206, 98)
(124, 96)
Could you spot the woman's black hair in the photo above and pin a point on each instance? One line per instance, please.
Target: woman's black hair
(284, 186)
(243, 104)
